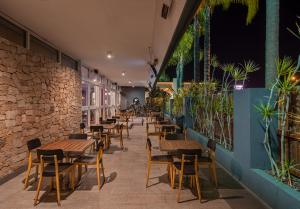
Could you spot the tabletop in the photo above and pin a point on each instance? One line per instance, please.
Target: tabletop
(166, 125)
(76, 146)
(173, 145)
(106, 126)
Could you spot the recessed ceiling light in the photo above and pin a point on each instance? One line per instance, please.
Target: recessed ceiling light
(109, 55)
(123, 73)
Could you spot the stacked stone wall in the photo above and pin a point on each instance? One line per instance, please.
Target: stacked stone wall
(38, 98)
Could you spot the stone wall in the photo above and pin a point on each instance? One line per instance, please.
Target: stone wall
(38, 98)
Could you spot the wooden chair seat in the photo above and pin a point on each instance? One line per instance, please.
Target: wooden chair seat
(204, 160)
(49, 170)
(162, 158)
(189, 168)
(87, 159)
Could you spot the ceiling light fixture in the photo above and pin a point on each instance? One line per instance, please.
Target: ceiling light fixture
(123, 73)
(129, 82)
(109, 55)
(95, 80)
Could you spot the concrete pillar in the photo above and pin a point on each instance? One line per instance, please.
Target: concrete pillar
(249, 129)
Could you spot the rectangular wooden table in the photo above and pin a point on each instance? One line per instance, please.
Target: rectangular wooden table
(69, 146)
(173, 145)
(159, 126)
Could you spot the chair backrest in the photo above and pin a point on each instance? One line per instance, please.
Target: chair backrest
(113, 120)
(33, 144)
(168, 129)
(96, 129)
(78, 136)
(163, 122)
(149, 144)
(172, 136)
(149, 148)
(119, 127)
(190, 152)
(107, 122)
(115, 117)
(48, 155)
(82, 126)
(211, 144)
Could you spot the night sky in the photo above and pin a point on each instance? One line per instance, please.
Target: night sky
(233, 41)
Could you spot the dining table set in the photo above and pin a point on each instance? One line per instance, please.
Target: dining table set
(59, 160)
(183, 156)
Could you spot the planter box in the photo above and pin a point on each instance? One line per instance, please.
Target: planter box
(276, 194)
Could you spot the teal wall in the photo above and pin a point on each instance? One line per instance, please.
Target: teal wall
(248, 160)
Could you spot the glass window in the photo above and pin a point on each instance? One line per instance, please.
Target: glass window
(93, 117)
(84, 73)
(40, 47)
(93, 95)
(85, 118)
(12, 32)
(84, 94)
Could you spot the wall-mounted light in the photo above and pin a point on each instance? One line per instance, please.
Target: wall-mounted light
(239, 87)
(123, 73)
(109, 55)
(129, 82)
(95, 80)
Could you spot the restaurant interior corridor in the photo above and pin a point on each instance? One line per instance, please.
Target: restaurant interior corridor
(125, 172)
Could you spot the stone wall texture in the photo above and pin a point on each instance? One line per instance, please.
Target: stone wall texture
(38, 98)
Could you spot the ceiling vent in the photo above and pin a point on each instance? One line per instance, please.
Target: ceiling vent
(165, 10)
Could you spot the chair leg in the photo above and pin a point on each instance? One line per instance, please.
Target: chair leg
(214, 174)
(27, 173)
(174, 177)
(79, 172)
(102, 167)
(180, 184)
(98, 176)
(73, 178)
(51, 183)
(198, 186)
(57, 189)
(148, 173)
(38, 190)
(36, 172)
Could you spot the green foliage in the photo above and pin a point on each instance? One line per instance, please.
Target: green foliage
(297, 33)
(183, 49)
(164, 77)
(283, 87)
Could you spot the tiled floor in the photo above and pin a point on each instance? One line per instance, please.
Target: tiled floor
(126, 171)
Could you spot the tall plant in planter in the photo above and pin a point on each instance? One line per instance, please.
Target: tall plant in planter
(278, 106)
(182, 55)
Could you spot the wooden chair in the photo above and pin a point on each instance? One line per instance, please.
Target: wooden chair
(188, 166)
(51, 166)
(118, 134)
(82, 127)
(175, 136)
(157, 159)
(98, 134)
(148, 133)
(112, 120)
(96, 160)
(31, 145)
(210, 160)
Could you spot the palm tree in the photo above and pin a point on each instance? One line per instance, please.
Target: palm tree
(209, 5)
(272, 41)
(196, 49)
(181, 56)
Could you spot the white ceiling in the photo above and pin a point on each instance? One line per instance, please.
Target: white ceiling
(87, 29)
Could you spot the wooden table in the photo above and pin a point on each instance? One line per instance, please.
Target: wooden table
(159, 126)
(173, 145)
(69, 146)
